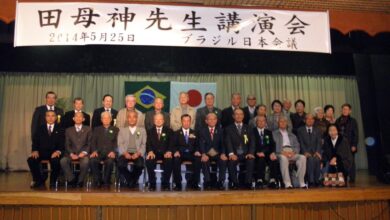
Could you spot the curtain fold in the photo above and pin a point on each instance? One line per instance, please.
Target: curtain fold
(22, 92)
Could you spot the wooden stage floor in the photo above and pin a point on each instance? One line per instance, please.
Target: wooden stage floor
(365, 199)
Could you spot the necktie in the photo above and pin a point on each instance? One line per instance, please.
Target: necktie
(239, 127)
(212, 133)
(158, 133)
(309, 130)
(186, 136)
(49, 130)
(78, 129)
(262, 137)
(107, 109)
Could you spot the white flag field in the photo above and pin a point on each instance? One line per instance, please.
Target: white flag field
(84, 23)
(196, 92)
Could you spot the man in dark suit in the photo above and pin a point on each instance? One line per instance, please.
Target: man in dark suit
(211, 148)
(201, 113)
(310, 138)
(158, 108)
(298, 118)
(107, 106)
(250, 109)
(103, 147)
(262, 145)
(237, 148)
(227, 113)
(48, 144)
(38, 118)
(185, 146)
(157, 144)
(67, 120)
(77, 148)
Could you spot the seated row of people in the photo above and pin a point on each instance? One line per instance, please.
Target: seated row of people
(235, 145)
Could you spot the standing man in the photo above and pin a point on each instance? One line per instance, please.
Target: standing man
(39, 115)
(237, 148)
(182, 109)
(121, 119)
(158, 108)
(201, 113)
(310, 138)
(107, 102)
(227, 113)
(298, 118)
(77, 148)
(157, 148)
(103, 147)
(131, 145)
(349, 129)
(185, 146)
(250, 109)
(47, 144)
(212, 150)
(78, 105)
(286, 108)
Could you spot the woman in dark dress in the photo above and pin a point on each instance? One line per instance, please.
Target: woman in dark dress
(336, 152)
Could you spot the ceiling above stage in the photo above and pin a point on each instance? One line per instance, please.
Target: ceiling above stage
(382, 6)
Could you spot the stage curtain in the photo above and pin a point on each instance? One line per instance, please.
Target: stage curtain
(22, 92)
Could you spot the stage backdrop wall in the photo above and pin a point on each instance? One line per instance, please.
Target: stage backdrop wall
(20, 93)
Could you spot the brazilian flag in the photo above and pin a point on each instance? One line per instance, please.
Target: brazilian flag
(146, 91)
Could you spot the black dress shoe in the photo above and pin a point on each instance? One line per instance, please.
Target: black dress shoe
(207, 186)
(38, 184)
(248, 186)
(273, 185)
(152, 187)
(233, 186)
(80, 184)
(165, 186)
(178, 187)
(260, 184)
(220, 185)
(195, 187)
(73, 183)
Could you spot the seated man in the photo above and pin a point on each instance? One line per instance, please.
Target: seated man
(211, 148)
(157, 144)
(103, 147)
(310, 138)
(48, 144)
(287, 149)
(185, 147)
(237, 147)
(77, 148)
(131, 146)
(263, 147)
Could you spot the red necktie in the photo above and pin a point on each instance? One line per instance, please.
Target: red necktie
(212, 133)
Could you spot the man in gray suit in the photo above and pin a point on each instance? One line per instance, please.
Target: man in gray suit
(310, 140)
(131, 146)
(287, 149)
(77, 147)
(158, 108)
(201, 113)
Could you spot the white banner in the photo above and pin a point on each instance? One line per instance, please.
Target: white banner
(81, 23)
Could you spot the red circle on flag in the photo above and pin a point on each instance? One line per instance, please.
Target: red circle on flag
(195, 97)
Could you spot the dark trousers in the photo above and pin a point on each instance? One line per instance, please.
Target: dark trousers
(96, 168)
(194, 178)
(232, 167)
(36, 171)
(313, 169)
(352, 171)
(166, 166)
(260, 165)
(133, 176)
(221, 164)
